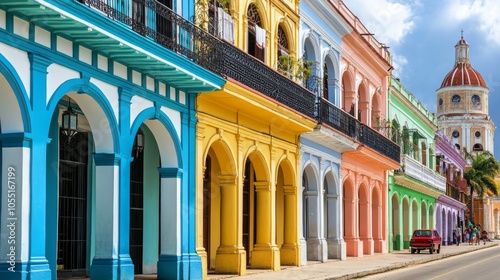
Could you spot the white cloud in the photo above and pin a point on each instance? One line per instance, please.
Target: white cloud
(398, 62)
(389, 20)
(483, 14)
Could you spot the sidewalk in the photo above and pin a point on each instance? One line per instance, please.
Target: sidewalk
(356, 267)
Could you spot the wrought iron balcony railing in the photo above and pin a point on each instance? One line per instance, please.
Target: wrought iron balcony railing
(157, 22)
(417, 170)
(345, 123)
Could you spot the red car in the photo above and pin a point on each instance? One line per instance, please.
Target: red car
(423, 239)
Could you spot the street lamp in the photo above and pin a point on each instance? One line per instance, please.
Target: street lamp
(69, 122)
(138, 143)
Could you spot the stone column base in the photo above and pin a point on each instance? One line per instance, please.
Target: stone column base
(231, 260)
(265, 257)
(303, 252)
(336, 249)
(367, 245)
(354, 247)
(380, 246)
(289, 254)
(317, 250)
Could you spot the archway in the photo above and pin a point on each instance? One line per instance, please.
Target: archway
(363, 219)
(350, 218)
(332, 219)
(414, 211)
(377, 220)
(311, 212)
(406, 224)
(396, 228)
(424, 216)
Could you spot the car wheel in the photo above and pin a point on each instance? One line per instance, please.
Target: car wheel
(439, 249)
(413, 251)
(431, 250)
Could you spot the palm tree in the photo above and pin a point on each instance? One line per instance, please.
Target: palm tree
(480, 176)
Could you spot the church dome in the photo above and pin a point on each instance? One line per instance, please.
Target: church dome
(462, 73)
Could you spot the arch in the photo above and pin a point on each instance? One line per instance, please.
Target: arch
(164, 133)
(102, 121)
(287, 29)
(330, 77)
(348, 92)
(424, 218)
(364, 215)
(14, 108)
(414, 215)
(406, 223)
(431, 216)
(477, 147)
(377, 218)
(331, 206)
(376, 109)
(259, 163)
(350, 218)
(311, 47)
(396, 231)
(223, 152)
(362, 114)
(331, 181)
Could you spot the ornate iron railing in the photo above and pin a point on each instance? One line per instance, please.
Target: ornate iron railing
(250, 71)
(417, 170)
(338, 119)
(345, 123)
(185, 38)
(166, 28)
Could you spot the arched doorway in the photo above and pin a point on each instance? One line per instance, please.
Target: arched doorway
(311, 212)
(363, 219)
(406, 224)
(424, 216)
(332, 220)
(415, 220)
(350, 219)
(396, 233)
(377, 220)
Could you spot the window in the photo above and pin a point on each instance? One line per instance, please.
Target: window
(458, 146)
(477, 134)
(476, 101)
(455, 134)
(477, 148)
(440, 101)
(456, 98)
(256, 35)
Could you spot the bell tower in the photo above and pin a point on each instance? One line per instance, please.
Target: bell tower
(462, 105)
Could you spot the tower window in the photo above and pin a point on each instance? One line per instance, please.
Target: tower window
(455, 134)
(477, 148)
(440, 101)
(475, 100)
(458, 146)
(456, 98)
(477, 134)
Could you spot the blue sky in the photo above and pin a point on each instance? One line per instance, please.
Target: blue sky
(422, 35)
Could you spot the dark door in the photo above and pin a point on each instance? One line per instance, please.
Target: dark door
(72, 218)
(136, 211)
(164, 25)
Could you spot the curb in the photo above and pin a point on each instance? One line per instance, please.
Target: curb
(407, 264)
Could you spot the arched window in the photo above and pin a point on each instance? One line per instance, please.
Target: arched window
(220, 22)
(477, 147)
(325, 82)
(256, 35)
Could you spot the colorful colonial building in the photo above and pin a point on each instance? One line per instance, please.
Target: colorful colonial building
(414, 186)
(364, 71)
(98, 139)
(450, 207)
(248, 156)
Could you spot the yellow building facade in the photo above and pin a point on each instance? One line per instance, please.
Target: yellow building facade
(248, 144)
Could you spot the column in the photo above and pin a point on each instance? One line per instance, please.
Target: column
(290, 248)
(169, 262)
(107, 262)
(265, 253)
(16, 258)
(231, 255)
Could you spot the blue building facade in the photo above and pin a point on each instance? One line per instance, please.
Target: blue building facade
(114, 195)
(321, 32)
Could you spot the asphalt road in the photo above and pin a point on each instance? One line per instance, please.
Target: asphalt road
(478, 265)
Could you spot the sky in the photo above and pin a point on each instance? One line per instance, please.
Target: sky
(422, 35)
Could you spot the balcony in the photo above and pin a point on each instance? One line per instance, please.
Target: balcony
(174, 32)
(340, 120)
(417, 171)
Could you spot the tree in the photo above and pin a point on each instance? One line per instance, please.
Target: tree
(480, 176)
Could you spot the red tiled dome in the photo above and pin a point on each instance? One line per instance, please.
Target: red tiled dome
(463, 75)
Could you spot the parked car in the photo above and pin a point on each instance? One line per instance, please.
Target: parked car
(423, 239)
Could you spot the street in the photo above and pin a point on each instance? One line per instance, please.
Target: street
(482, 264)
